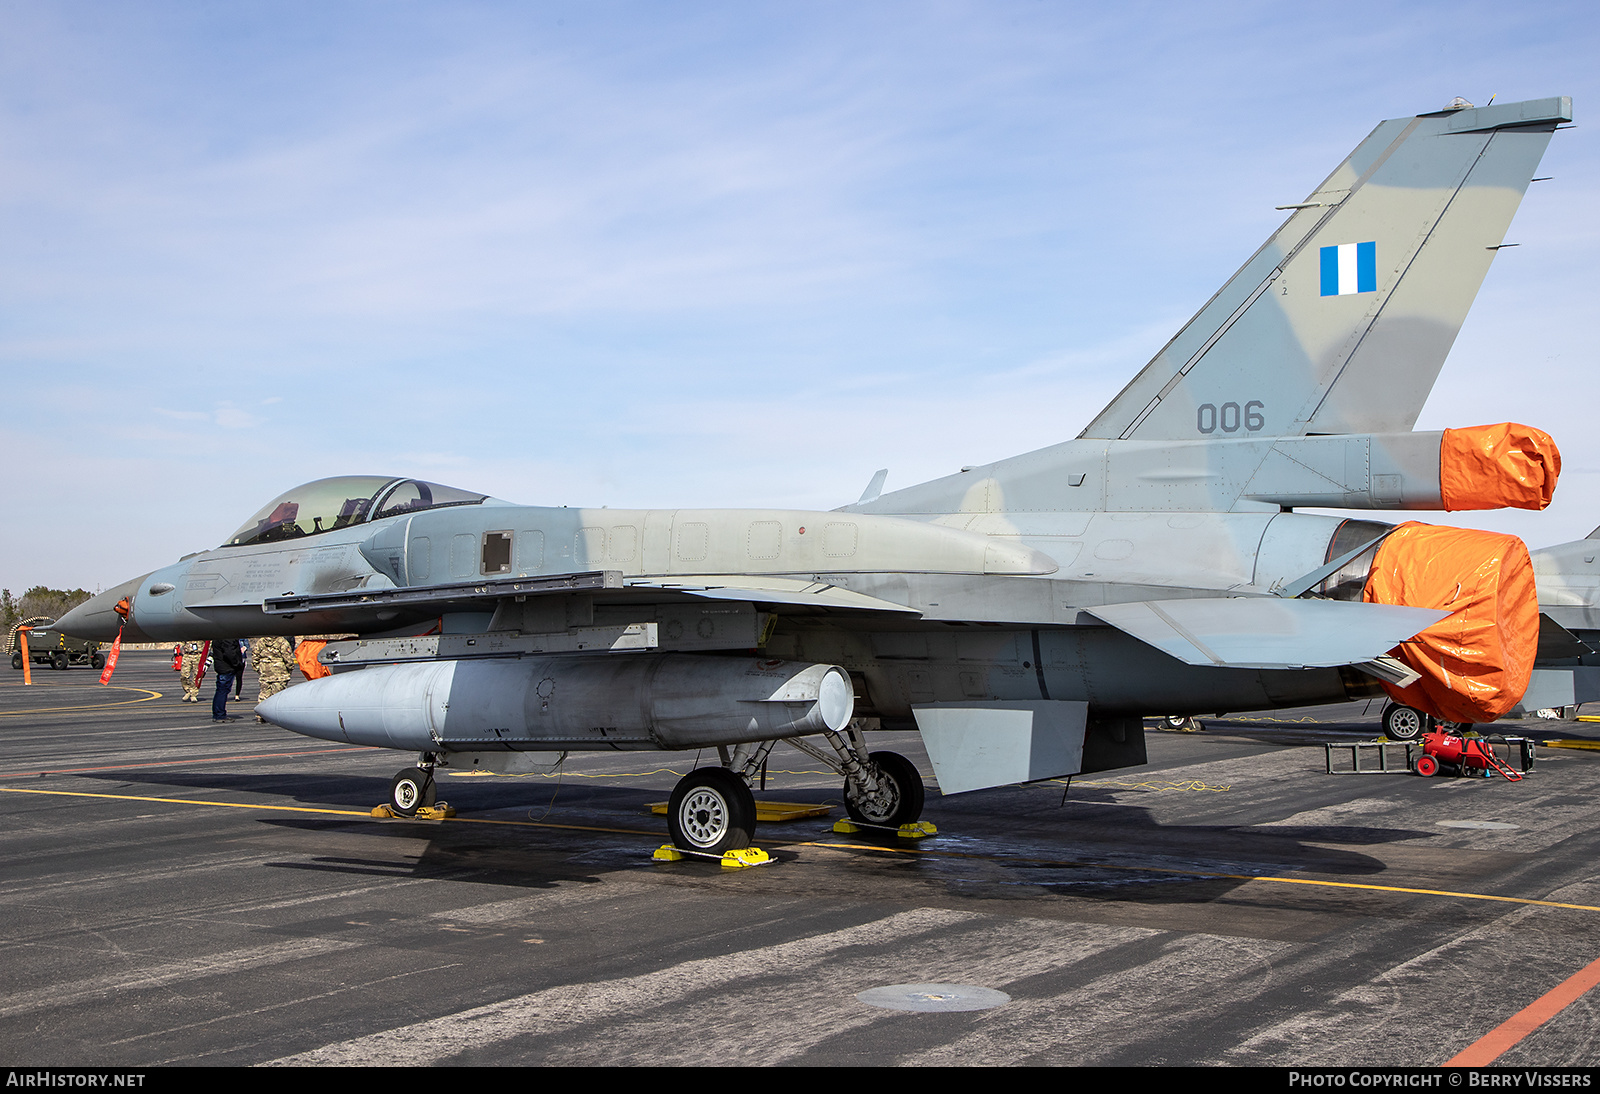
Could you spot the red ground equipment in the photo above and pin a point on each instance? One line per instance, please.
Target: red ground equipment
(1468, 755)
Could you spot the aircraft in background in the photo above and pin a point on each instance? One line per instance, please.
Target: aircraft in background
(1566, 673)
(1025, 615)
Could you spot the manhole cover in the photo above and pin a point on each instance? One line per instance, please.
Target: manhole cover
(929, 997)
(1495, 826)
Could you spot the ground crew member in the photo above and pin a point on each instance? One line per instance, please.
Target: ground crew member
(190, 670)
(229, 659)
(273, 658)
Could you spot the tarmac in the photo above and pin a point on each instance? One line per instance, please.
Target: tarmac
(178, 891)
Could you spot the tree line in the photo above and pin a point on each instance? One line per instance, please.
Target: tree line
(38, 600)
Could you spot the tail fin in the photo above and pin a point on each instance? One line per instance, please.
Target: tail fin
(1342, 320)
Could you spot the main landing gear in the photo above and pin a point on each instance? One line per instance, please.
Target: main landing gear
(1403, 723)
(412, 789)
(898, 798)
(713, 809)
(881, 789)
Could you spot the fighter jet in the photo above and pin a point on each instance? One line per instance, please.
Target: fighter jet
(1023, 616)
(1566, 673)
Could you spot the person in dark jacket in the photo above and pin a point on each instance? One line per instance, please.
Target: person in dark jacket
(229, 660)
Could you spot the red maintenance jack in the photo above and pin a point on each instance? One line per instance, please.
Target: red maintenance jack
(1472, 756)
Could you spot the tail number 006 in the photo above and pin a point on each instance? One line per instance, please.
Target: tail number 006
(1229, 417)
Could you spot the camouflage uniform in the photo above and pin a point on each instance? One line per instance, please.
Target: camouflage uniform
(273, 658)
(190, 671)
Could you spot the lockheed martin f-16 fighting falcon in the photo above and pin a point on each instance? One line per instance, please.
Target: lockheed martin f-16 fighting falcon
(1567, 672)
(1024, 615)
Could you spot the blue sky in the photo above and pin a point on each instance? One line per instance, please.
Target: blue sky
(651, 254)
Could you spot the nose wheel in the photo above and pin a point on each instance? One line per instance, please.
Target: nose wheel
(711, 811)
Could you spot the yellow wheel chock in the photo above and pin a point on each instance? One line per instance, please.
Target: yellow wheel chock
(731, 860)
(439, 811)
(914, 830)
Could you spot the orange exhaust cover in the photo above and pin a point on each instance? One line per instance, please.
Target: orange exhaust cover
(1475, 664)
(1497, 467)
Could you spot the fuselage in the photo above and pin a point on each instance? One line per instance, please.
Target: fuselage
(996, 603)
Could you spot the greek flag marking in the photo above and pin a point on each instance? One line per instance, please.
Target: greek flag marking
(1349, 268)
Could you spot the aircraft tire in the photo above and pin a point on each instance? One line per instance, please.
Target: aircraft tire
(60, 660)
(1403, 723)
(409, 791)
(711, 811)
(16, 660)
(906, 795)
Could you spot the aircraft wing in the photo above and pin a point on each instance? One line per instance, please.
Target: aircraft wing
(1268, 632)
(453, 596)
(604, 584)
(793, 592)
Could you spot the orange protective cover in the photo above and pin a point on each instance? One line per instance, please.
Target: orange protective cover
(305, 655)
(1476, 662)
(1498, 466)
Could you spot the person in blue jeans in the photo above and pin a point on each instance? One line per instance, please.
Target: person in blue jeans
(229, 660)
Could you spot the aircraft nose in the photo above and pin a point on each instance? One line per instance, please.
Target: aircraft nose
(97, 618)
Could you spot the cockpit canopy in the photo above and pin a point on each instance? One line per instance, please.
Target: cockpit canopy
(327, 504)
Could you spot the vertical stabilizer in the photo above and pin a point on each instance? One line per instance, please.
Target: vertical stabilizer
(1342, 320)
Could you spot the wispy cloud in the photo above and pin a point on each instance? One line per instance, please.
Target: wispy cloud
(225, 415)
(716, 254)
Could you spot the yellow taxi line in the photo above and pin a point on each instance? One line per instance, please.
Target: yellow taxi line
(148, 695)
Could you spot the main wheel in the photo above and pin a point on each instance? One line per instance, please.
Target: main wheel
(16, 660)
(1181, 723)
(1403, 723)
(1427, 765)
(60, 660)
(409, 791)
(711, 811)
(900, 795)
(98, 661)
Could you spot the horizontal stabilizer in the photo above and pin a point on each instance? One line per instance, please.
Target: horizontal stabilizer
(1268, 632)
